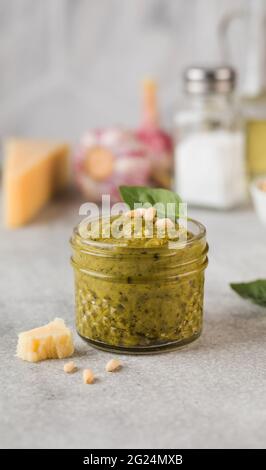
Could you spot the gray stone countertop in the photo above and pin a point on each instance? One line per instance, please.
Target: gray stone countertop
(211, 394)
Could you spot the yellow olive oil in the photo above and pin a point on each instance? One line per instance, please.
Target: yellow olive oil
(256, 146)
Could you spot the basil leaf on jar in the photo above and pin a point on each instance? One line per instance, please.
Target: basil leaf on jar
(142, 194)
(254, 291)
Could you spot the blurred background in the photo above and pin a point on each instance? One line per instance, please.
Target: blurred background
(73, 71)
(70, 64)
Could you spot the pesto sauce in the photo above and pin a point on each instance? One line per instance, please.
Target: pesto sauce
(138, 293)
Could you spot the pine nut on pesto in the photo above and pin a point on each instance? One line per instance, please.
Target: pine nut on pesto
(138, 295)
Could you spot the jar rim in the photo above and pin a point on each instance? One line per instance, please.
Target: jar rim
(97, 244)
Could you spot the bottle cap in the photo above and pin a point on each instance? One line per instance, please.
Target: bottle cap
(204, 80)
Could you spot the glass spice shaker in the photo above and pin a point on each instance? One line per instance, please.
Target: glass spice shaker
(210, 169)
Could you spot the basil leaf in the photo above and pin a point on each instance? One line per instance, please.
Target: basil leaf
(254, 291)
(142, 194)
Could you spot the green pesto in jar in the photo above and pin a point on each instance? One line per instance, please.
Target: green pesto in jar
(138, 294)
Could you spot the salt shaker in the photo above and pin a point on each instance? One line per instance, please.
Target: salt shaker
(210, 168)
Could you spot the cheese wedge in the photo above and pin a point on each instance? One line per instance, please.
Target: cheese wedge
(33, 172)
(50, 341)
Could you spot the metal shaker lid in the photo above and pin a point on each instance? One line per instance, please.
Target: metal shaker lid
(201, 80)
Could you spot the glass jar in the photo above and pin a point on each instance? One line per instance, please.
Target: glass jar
(139, 300)
(210, 167)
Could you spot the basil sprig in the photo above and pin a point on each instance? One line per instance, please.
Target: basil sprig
(254, 291)
(142, 194)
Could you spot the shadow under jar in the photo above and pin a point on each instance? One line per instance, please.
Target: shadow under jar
(139, 299)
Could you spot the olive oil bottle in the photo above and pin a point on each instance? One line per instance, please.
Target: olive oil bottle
(254, 89)
(253, 83)
(255, 119)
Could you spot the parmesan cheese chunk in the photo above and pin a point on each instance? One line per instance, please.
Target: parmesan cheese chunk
(33, 172)
(50, 341)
